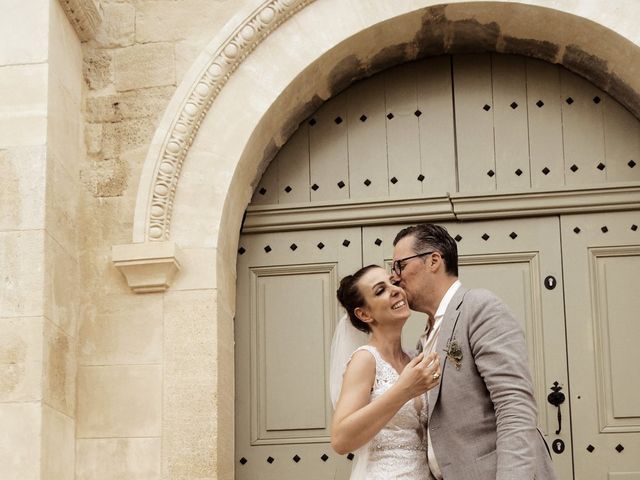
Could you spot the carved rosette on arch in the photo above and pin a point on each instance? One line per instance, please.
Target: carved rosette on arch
(224, 62)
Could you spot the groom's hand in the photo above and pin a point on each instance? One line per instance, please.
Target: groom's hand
(421, 374)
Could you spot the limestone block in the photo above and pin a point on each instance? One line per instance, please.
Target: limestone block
(62, 291)
(107, 178)
(24, 30)
(144, 65)
(63, 193)
(162, 21)
(118, 25)
(126, 135)
(125, 329)
(110, 223)
(64, 137)
(23, 96)
(65, 51)
(119, 401)
(118, 458)
(100, 275)
(150, 102)
(93, 138)
(59, 369)
(204, 191)
(58, 445)
(197, 269)
(22, 188)
(20, 441)
(21, 359)
(190, 385)
(187, 51)
(226, 400)
(22, 265)
(97, 68)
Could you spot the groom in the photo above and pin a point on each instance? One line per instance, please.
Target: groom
(482, 416)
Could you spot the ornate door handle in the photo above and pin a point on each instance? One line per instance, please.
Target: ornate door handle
(556, 398)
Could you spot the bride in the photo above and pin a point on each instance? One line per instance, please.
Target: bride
(378, 390)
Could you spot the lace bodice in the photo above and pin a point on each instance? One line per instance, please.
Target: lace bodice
(399, 450)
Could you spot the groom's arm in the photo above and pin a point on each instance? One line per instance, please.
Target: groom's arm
(498, 344)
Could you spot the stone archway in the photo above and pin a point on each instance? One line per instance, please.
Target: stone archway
(235, 109)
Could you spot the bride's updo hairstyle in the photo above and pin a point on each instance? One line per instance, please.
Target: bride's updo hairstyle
(350, 297)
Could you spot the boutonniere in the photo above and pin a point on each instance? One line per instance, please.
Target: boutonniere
(454, 352)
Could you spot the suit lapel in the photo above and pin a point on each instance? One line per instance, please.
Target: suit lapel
(447, 330)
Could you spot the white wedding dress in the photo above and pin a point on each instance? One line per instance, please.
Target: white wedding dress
(399, 450)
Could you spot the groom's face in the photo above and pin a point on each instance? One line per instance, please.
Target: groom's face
(413, 277)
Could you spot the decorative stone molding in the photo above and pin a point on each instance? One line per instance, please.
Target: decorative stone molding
(84, 15)
(245, 38)
(147, 267)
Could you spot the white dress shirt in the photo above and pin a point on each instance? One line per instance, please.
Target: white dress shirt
(429, 341)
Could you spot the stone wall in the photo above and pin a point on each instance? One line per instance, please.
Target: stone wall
(143, 382)
(135, 394)
(40, 154)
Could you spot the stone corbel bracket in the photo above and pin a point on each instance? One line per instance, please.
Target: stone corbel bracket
(147, 267)
(84, 15)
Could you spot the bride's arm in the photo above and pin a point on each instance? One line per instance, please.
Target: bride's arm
(356, 420)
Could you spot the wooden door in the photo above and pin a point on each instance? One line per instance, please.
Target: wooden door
(286, 313)
(601, 255)
(512, 258)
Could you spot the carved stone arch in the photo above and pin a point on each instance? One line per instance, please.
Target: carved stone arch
(365, 40)
(273, 65)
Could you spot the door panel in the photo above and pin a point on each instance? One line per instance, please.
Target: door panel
(602, 259)
(286, 314)
(511, 258)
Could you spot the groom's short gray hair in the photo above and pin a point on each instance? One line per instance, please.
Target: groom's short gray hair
(429, 236)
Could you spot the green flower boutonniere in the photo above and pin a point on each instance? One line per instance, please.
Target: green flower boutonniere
(454, 353)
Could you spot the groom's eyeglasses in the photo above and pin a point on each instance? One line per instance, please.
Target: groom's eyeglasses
(399, 265)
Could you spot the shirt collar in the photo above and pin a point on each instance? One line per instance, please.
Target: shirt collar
(444, 303)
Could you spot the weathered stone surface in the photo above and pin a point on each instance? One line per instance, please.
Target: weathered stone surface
(118, 25)
(93, 138)
(546, 51)
(97, 68)
(21, 359)
(161, 21)
(22, 263)
(20, 441)
(62, 287)
(62, 205)
(126, 135)
(126, 329)
(107, 178)
(144, 65)
(119, 401)
(22, 188)
(190, 386)
(23, 97)
(589, 66)
(59, 370)
(118, 458)
(58, 445)
(24, 25)
(149, 102)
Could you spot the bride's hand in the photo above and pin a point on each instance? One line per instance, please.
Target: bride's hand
(421, 374)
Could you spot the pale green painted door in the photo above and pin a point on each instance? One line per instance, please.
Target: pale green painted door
(511, 258)
(601, 254)
(286, 313)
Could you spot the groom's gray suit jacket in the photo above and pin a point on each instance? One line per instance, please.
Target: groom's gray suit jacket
(482, 416)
